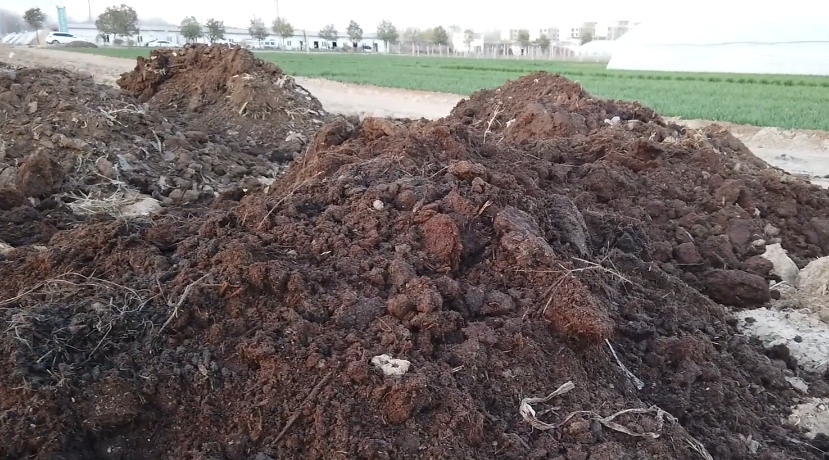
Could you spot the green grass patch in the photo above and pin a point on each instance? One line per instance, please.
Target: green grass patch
(764, 100)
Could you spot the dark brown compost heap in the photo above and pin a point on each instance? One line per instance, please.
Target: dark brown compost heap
(64, 138)
(500, 250)
(226, 89)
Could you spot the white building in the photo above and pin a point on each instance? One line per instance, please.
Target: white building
(148, 33)
(611, 30)
(571, 32)
(597, 50)
(552, 33)
(460, 45)
(774, 43)
(510, 35)
(233, 35)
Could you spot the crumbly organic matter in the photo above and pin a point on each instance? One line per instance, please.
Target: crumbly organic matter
(514, 241)
(225, 89)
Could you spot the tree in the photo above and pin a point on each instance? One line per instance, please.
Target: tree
(412, 35)
(544, 43)
(468, 38)
(387, 32)
(35, 19)
(355, 32)
(440, 36)
(426, 35)
(283, 28)
(215, 30)
(119, 21)
(329, 34)
(524, 38)
(190, 29)
(257, 29)
(588, 31)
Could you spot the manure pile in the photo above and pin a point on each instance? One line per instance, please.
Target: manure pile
(535, 236)
(65, 140)
(252, 103)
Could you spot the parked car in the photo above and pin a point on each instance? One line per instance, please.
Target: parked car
(62, 38)
(159, 44)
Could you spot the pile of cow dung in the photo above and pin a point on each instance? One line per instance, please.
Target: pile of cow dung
(226, 89)
(534, 237)
(68, 141)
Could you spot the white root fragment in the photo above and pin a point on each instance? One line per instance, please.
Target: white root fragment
(637, 382)
(530, 416)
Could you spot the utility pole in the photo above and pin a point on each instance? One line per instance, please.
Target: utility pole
(89, 5)
(278, 21)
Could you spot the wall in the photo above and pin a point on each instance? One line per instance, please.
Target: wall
(89, 32)
(458, 42)
(234, 35)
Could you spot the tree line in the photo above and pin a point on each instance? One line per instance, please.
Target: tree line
(192, 31)
(122, 21)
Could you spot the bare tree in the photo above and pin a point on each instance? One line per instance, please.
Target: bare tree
(412, 34)
(257, 30)
(283, 28)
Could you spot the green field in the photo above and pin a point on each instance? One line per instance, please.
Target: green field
(761, 100)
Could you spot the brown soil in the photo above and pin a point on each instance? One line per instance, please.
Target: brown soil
(64, 138)
(499, 253)
(694, 202)
(226, 89)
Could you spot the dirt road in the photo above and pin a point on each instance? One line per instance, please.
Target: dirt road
(797, 151)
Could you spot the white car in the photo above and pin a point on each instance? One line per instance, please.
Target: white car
(159, 44)
(62, 38)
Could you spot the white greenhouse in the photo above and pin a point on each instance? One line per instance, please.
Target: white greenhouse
(770, 45)
(600, 50)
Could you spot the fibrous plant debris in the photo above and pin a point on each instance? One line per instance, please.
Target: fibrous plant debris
(227, 89)
(497, 267)
(65, 139)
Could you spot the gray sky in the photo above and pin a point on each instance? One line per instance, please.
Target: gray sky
(478, 14)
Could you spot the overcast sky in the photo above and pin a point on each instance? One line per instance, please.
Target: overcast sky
(477, 14)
